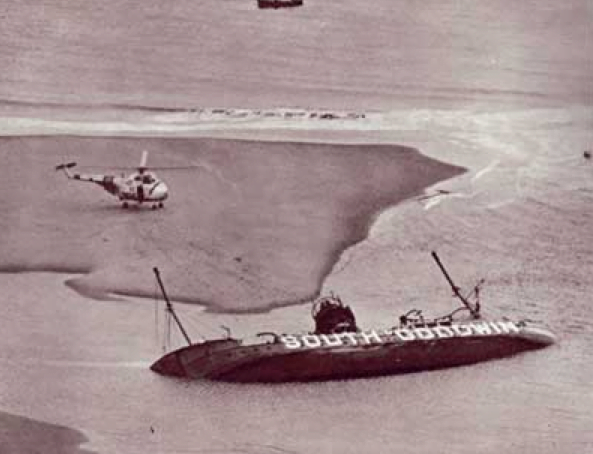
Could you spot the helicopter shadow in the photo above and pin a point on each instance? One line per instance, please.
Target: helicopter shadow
(115, 209)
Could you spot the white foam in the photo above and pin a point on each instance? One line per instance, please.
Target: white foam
(491, 131)
(485, 170)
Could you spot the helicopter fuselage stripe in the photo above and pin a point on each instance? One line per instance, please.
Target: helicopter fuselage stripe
(133, 196)
(154, 187)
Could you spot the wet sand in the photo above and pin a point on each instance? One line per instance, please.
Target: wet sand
(251, 226)
(20, 435)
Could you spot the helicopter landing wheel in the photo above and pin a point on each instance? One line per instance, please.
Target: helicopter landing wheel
(124, 205)
(161, 205)
(154, 207)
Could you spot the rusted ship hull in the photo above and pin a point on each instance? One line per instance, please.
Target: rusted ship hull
(360, 355)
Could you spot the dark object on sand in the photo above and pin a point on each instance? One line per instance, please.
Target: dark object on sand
(437, 193)
(338, 349)
(275, 4)
(587, 154)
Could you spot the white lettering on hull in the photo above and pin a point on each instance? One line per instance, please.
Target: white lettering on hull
(351, 337)
(335, 340)
(421, 333)
(481, 328)
(507, 327)
(290, 341)
(443, 331)
(404, 334)
(424, 333)
(495, 328)
(311, 340)
(371, 336)
(462, 330)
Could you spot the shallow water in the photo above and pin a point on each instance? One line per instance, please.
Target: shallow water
(502, 89)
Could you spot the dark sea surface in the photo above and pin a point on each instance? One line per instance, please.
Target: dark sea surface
(502, 88)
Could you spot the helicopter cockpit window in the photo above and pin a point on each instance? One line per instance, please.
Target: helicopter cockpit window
(146, 178)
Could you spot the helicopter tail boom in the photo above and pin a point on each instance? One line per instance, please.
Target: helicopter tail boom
(105, 181)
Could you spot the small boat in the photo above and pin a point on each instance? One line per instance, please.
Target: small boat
(339, 349)
(275, 4)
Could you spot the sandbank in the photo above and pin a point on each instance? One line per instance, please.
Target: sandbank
(19, 435)
(251, 226)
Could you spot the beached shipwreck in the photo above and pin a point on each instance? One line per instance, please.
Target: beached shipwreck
(339, 349)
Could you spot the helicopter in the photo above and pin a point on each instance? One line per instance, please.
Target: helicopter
(139, 187)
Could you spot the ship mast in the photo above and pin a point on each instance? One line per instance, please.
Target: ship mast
(474, 310)
(170, 306)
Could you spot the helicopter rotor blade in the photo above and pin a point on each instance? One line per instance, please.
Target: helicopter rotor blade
(68, 165)
(131, 168)
(188, 167)
(143, 159)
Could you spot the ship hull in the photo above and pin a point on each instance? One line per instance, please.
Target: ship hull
(395, 354)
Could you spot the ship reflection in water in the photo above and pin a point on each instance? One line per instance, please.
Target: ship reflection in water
(275, 4)
(338, 349)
